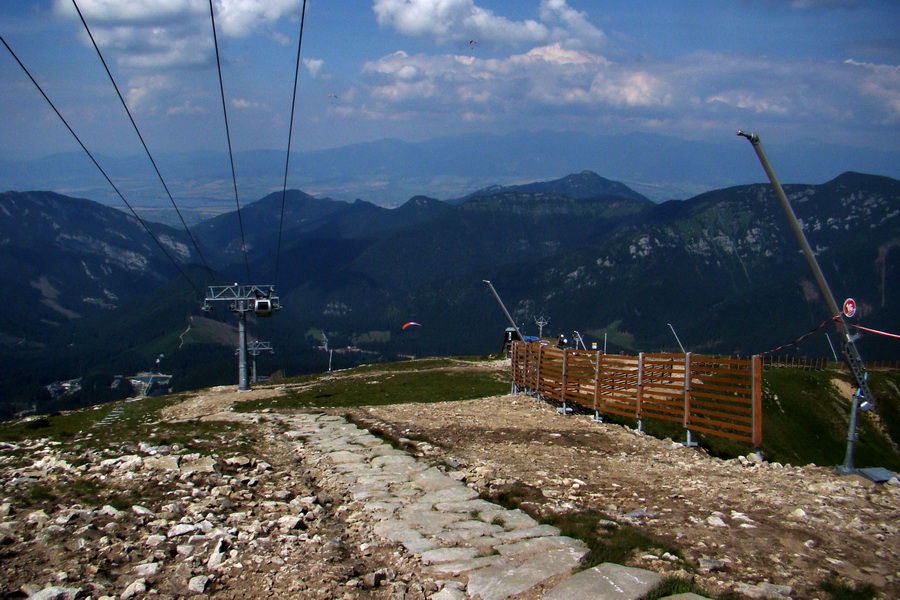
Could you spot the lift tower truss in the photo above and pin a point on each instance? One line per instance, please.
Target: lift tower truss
(258, 299)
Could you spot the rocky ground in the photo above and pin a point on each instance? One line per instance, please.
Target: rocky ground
(259, 519)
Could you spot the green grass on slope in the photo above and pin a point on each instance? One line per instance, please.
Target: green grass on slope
(139, 421)
(372, 386)
(806, 420)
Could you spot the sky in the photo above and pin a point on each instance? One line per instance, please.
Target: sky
(826, 70)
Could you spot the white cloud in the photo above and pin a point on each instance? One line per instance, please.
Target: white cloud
(153, 48)
(153, 34)
(544, 76)
(748, 100)
(462, 20)
(242, 17)
(186, 108)
(817, 4)
(811, 4)
(701, 91)
(132, 12)
(314, 67)
(243, 104)
(881, 83)
(630, 88)
(146, 91)
(570, 26)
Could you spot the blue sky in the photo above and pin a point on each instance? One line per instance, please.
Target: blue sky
(416, 69)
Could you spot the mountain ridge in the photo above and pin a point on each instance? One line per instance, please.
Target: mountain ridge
(722, 267)
(387, 172)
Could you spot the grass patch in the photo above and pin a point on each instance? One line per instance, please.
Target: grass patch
(843, 591)
(41, 493)
(672, 585)
(139, 421)
(805, 420)
(397, 386)
(607, 540)
(392, 440)
(421, 364)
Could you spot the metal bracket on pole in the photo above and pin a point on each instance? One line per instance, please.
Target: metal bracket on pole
(864, 399)
(258, 299)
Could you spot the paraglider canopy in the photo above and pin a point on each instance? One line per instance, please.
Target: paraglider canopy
(410, 324)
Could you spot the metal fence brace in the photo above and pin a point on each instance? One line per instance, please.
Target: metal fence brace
(687, 400)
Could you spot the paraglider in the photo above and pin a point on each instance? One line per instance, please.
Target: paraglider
(411, 323)
(332, 96)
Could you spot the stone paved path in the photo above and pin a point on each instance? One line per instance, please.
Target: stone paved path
(484, 550)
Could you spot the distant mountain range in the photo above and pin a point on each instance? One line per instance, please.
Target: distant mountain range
(95, 296)
(388, 172)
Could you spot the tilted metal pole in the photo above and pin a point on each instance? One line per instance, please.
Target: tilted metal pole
(506, 312)
(854, 360)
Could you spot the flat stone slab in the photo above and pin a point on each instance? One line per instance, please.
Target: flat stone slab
(464, 566)
(606, 582)
(345, 456)
(468, 506)
(463, 531)
(450, 495)
(517, 576)
(432, 480)
(526, 533)
(382, 506)
(540, 545)
(688, 596)
(511, 519)
(427, 523)
(395, 457)
(448, 555)
(412, 540)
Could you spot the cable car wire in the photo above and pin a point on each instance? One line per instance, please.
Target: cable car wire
(287, 159)
(96, 164)
(143, 143)
(212, 17)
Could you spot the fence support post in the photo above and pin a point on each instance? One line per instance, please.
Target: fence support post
(537, 380)
(562, 388)
(514, 388)
(687, 399)
(756, 407)
(597, 416)
(638, 408)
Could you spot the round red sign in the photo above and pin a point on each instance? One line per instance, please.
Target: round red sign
(849, 307)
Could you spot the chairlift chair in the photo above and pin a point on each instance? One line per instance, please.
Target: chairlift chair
(262, 307)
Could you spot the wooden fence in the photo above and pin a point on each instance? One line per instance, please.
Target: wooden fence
(718, 396)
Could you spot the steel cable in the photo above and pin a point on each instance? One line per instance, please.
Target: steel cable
(97, 164)
(228, 136)
(290, 137)
(143, 143)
